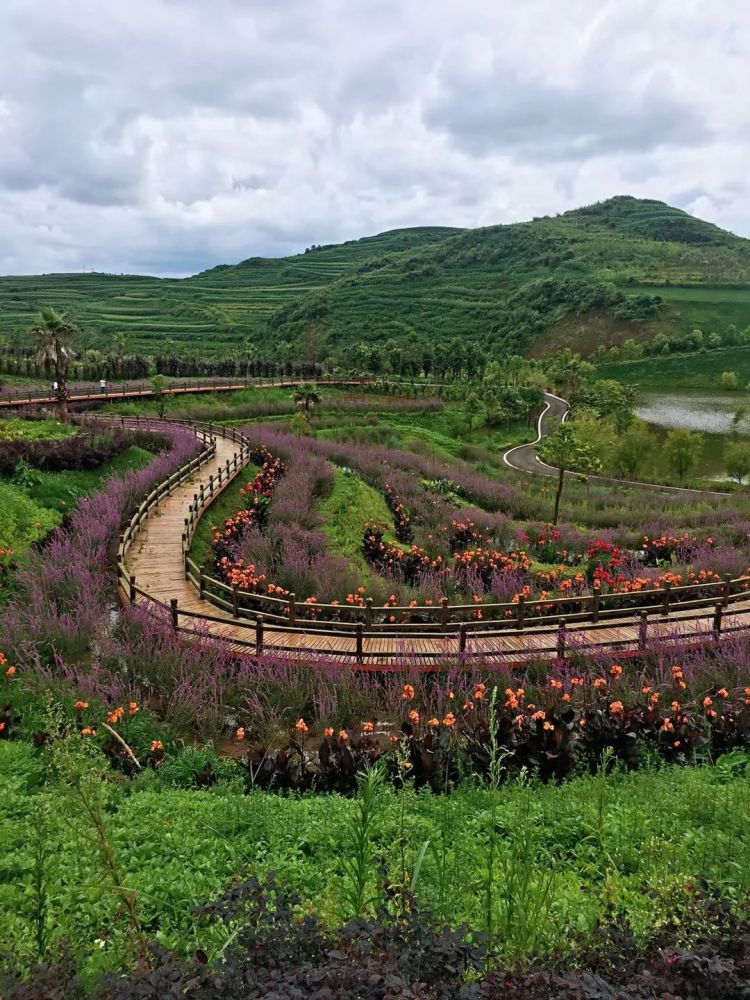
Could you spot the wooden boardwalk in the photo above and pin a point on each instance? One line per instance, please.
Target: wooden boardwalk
(155, 560)
(36, 396)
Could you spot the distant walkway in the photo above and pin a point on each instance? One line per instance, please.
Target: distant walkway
(524, 457)
(87, 392)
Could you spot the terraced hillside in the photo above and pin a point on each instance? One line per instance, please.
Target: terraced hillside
(623, 268)
(223, 307)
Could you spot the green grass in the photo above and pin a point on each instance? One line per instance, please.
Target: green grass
(63, 490)
(701, 370)
(16, 429)
(23, 519)
(623, 845)
(350, 503)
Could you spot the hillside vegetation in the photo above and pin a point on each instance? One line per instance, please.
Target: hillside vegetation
(414, 299)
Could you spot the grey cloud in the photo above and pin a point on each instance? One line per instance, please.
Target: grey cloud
(171, 135)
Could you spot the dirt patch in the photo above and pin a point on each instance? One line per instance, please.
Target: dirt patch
(585, 333)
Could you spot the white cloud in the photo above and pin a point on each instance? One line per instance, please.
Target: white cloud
(169, 135)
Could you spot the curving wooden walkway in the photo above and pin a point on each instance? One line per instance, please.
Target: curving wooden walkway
(155, 564)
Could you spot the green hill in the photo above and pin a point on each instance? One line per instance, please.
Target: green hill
(623, 268)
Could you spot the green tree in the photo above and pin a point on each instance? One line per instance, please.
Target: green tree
(54, 337)
(306, 395)
(120, 344)
(472, 408)
(565, 451)
(682, 449)
(158, 387)
(737, 459)
(633, 449)
(729, 380)
(299, 425)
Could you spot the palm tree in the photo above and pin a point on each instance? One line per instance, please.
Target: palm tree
(53, 340)
(306, 395)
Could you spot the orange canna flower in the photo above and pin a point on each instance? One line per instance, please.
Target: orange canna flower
(81, 705)
(538, 716)
(615, 670)
(300, 726)
(133, 707)
(479, 691)
(343, 736)
(616, 707)
(722, 693)
(239, 733)
(600, 683)
(566, 697)
(88, 731)
(408, 693)
(450, 720)
(468, 706)
(413, 716)
(434, 723)
(328, 732)
(654, 699)
(368, 727)
(707, 702)
(548, 725)
(675, 707)
(10, 671)
(156, 745)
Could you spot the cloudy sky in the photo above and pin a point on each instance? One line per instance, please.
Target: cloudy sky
(164, 136)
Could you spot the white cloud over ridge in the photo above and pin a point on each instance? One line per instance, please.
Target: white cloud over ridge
(164, 136)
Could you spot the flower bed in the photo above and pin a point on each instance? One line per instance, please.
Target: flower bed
(465, 555)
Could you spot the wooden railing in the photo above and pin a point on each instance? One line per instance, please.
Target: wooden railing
(452, 626)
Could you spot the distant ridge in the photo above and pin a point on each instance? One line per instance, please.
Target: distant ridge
(591, 275)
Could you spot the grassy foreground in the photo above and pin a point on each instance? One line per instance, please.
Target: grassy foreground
(534, 866)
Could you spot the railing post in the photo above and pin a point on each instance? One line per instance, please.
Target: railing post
(368, 612)
(444, 612)
(175, 613)
(210, 486)
(202, 585)
(643, 631)
(360, 642)
(292, 609)
(725, 589)
(596, 592)
(132, 594)
(520, 611)
(462, 637)
(235, 602)
(718, 613)
(561, 639)
(259, 634)
(667, 598)
(220, 471)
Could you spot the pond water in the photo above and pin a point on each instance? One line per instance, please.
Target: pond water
(709, 413)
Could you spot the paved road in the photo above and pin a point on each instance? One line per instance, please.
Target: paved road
(524, 458)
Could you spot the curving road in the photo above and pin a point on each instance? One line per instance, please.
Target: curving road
(523, 457)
